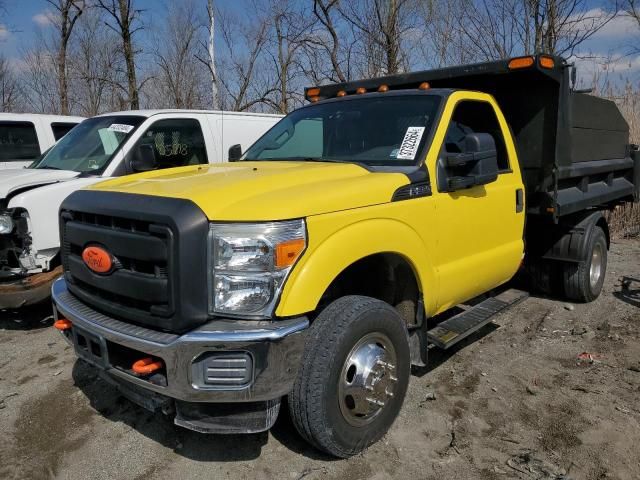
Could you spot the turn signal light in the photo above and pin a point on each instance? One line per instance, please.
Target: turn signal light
(547, 62)
(288, 252)
(62, 324)
(521, 62)
(147, 365)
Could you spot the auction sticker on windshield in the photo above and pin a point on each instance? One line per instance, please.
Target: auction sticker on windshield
(410, 143)
(120, 127)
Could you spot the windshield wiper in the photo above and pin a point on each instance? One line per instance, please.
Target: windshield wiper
(48, 167)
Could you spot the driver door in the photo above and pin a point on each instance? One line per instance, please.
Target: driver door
(478, 229)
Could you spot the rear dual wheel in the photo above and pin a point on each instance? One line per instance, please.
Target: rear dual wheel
(354, 376)
(583, 280)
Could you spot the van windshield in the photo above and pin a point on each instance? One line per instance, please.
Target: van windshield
(90, 146)
(384, 130)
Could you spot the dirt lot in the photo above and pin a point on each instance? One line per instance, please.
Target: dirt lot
(513, 402)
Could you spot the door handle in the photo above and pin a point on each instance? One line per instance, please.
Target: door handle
(519, 200)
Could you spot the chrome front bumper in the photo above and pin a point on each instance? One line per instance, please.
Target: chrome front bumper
(275, 348)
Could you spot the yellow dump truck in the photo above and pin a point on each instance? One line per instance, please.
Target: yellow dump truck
(316, 264)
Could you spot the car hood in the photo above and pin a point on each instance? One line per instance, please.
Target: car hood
(254, 191)
(19, 179)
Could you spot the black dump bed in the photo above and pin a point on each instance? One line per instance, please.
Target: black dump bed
(573, 147)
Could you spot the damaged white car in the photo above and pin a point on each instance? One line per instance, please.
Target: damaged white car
(105, 146)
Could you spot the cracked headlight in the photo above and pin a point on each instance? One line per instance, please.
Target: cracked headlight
(6, 224)
(249, 263)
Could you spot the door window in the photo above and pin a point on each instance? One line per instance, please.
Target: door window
(61, 129)
(476, 117)
(176, 142)
(18, 141)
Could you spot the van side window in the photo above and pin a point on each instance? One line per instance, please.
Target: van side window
(177, 142)
(61, 129)
(476, 117)
(18, 141)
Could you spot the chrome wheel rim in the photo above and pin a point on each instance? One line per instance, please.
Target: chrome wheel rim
(368, 379)
(595, 269)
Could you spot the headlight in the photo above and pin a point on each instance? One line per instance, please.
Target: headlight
(249, 263)
(6, 224)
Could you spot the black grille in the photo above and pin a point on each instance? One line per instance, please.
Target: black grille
(160, 250)
(140, 281)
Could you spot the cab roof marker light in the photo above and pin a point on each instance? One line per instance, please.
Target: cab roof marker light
(312, 92)
(383, 88)
(424, 86)
(341, 93)
(521, 62)
(547, 62)
(361, 90)
(314, 99)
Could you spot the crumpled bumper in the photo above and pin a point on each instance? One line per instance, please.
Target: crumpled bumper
(27, 290)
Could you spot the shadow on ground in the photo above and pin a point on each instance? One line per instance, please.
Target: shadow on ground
(27, 318)
(629, 291)
(109, 403)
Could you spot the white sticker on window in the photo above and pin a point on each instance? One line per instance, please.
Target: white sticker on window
(120, 127)
(410, 143)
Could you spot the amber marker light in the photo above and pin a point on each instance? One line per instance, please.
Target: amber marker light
(424, 86)
(361, 90)
(313, 92)
(341, 93)
(288, 252)
(62, 324)
(521, 62)
(145, 366)
(314, 99)
(547, 62)
(383, 88)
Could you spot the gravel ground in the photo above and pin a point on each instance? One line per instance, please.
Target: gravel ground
(514, 401)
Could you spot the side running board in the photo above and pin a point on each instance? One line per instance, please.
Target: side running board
(459, 327)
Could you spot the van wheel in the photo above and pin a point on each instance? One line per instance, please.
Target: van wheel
(583, 280)
(354, 376)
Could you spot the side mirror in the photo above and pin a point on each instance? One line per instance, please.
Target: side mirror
(144, 159)
(235, 152)
(477, 164)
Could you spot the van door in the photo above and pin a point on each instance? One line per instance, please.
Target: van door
(479, 230)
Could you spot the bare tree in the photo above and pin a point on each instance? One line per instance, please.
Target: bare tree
(125, 17)
(97, 71)
(39, 78)
(243, 75)
(180, 82)
(384, 26)
(212, 53)
(332, 46)
(10, 94)
(67, 14)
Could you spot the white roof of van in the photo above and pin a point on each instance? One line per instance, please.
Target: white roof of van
(149, 113)
(25, 117)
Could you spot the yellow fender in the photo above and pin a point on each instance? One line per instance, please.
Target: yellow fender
(323, 262)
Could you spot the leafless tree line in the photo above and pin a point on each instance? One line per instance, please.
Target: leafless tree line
(101, 55)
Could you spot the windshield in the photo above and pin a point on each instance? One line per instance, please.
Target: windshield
(381, 130)
(89, 147)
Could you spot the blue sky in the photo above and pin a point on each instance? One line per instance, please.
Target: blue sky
(614, 40)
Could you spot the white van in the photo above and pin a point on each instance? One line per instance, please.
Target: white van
(108, 145)
(25, 136)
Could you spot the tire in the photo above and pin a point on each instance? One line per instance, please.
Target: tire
(583, 280)
(352, 327)
(543, 276)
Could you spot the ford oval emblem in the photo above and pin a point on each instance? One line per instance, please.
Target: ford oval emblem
(97, 259)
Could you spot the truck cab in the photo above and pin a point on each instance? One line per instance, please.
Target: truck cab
(105, 146)
(315, 266)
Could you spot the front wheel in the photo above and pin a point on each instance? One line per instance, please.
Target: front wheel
(354, 376)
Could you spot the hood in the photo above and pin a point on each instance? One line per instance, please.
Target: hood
(12, 180)
(254, 191)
